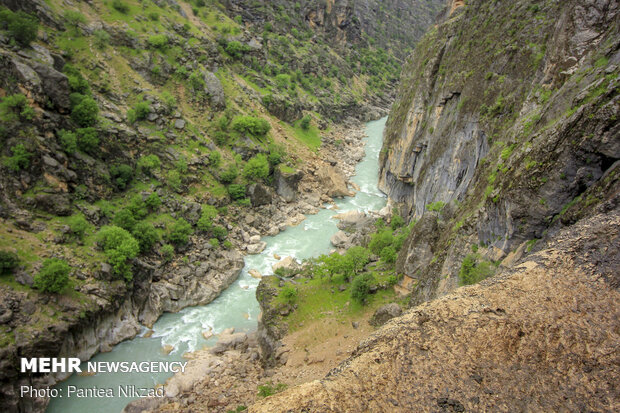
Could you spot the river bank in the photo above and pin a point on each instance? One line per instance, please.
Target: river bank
(170, 338)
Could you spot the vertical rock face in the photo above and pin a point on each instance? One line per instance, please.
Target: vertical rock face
(507, 114)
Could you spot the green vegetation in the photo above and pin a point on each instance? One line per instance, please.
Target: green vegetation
(15, 108)
(361, 287)
(22, 27)
(84, 111)
(146, 235)
(236, 191)
(167, 252)
(78, 226)
(268, 389)
(8, 262)
(118, 246)
(121, 175)
(180, 232)
(148, 164)
(475, 269)
(257, 168)
(250, 125)
(20, 159)
(435, 206)
(68, 141)
(289, 294)
(139, 112)
(53, 277)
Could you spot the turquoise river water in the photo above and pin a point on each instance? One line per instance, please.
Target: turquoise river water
(235, 307)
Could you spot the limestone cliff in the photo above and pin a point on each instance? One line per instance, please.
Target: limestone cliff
(506, 123)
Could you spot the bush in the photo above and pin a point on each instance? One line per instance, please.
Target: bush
(257, 168)
(215, 158)
(153, 201)
(169, 101)
(435, 206)
(146, 235)
(268, 389)
(277, 153)
(20, 159)
(196, 81)
(361, 287)
(359, 256)
(180, 232)
(74, 19)
(289, 293)
(167, 252)
(85, 112)
(77, 83)
(236, 191)
(15, 108)
(206, 218)
(229, 175)
(473, 270)
(235, 49)
(120, 6)
(124, 219)
(174, 180)
(215, 243)
(158, 41)
(380, 240)
(397, 220)
(251, 125)
(139, 112)
(121, 175)
(68, 141)
(88, 140)
(8, 262)
(78, 225)
(305, 122)
(22, 27)
(53, 277)
(101, 39)
(388, 255)
(119, 246)
(219, 232)
(148, 163)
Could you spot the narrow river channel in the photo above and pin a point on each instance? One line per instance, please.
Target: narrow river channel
(236, 307)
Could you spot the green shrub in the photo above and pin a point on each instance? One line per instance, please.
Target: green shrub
(206, 217)
(78, 225)
(277, 153)
(305, 122)
(236, 191)
(173, 178)
(20, 159)
(359, 256)
(77, 83)
(8, 262)
(148, 163)
(121, 175)
(257, 168)
(229, 175)
(124, 219)
(180, 232)
(21, 26)
(158, 41)
(139, 112)
(68, 141)
(85, 112)
(196, 81)
(380, 240)
(283, 81)
(53, 277)
(153, 201)
(215, 243)
(235, 49)
(474, 270)
(88, 140)
(74, 19)
(251, 125)
(101, 38)
(167, 252)
(181, 165)
(169, 101)
(154, 16)
(397, 220)
(120, 6)
(289, 293)
(146, 235)
(361, 287)
(435, 206)
(388, 254)
(215, 158)
(219, 232)
(269, 389)
(15, 108)
(118, 246)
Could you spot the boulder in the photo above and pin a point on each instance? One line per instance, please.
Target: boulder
(288, 263)
(353, 220)
(259, 194)
(213, 88)
(54, 203)
(233, 341)
(256, 248)
(286, 183)
(333, 182)
(55, 85)
(384, 314)
(341, 240)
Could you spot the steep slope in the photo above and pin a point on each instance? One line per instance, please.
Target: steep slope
(521, 341)
(506, 124)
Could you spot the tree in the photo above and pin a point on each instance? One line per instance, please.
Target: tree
(305, 122)
(88, 140)
(153, 201)
(78, 225)
(85, 112)
(8, 262)
(124, 219)
(14, 108)
(251, 125)
(68, 141)
(22, 27)
(20, 159)
(118, 246)
(53, 277)
(180, 232)
(257, 168)
(359, 256)
(361, 287)
(146, 235)
(121, 175)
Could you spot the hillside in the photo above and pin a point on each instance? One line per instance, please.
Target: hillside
(147, 145)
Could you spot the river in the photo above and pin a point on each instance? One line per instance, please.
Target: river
(236, 307)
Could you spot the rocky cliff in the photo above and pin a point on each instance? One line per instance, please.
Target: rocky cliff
(506, 127)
